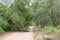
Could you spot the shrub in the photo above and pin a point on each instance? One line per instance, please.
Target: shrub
(50, 30)
(1, 31)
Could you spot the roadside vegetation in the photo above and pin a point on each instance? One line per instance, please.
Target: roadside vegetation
(43, 14)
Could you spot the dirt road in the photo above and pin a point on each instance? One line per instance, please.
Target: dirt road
(17, 36)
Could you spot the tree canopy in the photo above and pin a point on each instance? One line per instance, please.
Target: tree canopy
(24, 13)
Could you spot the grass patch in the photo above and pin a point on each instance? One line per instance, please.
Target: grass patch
(50, 30)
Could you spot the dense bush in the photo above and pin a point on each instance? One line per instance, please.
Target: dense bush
(24, 13)
(15, 18)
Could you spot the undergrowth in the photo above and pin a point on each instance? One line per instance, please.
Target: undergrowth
(50, 30)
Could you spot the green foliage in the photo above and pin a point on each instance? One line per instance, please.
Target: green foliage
(16, 18)
(21, 15)
(3, 23)
(50, 30)
(46, 12)
(1, 31)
